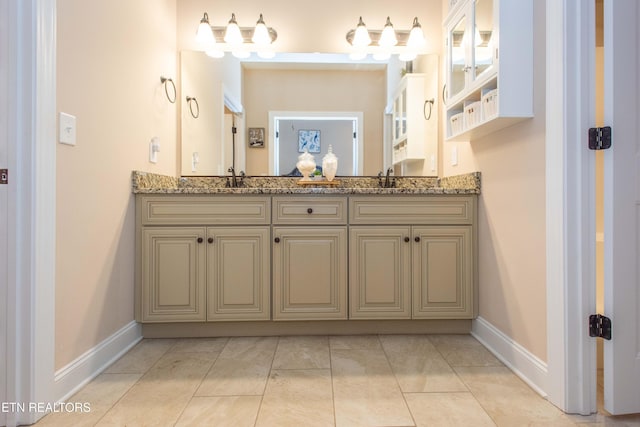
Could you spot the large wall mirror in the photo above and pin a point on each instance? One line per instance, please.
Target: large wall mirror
(244, 95)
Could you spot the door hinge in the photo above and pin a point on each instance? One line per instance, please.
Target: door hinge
(4, 176)
(600, 138)
(599, 326)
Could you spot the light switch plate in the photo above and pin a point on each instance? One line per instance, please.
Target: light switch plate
(67, 131)
(454, 155)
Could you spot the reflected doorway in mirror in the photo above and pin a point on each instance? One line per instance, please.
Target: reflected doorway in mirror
(256, 137)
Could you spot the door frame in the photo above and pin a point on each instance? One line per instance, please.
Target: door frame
(571, 357)
(31, 205)
(570, 204)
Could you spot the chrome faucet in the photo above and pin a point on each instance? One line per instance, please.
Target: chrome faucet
(388, 181)
(235, 181)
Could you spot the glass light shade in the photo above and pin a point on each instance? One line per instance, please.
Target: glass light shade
(241, 53)
(361, 37)
(261, 33)
(204, 35)
(416, 36)
(232, 34)
(388, 37)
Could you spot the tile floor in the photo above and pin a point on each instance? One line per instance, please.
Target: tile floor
(372, 380)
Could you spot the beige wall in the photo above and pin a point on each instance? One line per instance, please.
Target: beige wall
(313, 90)
(512, 270)
(110, 58)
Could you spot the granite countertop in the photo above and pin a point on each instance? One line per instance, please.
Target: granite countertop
(150, 183)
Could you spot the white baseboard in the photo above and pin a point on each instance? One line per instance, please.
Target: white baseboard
(523, 363)
(78, 373)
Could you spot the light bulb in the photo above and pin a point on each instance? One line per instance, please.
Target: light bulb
(266, 53)
(261, 33)
(382, 55)
(357, 56)
(361, 37)
(407, 56)
(214, 53)
(416, 36)
(204, 35)
(388, 36)
(232, 34)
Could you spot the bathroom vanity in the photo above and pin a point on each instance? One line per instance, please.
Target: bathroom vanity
(279, 256)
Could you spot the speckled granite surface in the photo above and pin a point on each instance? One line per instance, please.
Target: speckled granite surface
(150, 183)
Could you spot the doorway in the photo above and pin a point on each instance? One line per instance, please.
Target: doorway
(341, 130)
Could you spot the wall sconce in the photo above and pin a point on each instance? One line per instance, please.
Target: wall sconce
(240, 41)
(383, 43)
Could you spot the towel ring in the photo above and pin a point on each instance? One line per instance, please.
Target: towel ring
(195, 101)
(166, 81)
(424, 109)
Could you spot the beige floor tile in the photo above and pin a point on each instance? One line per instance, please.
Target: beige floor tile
(353, 342)
(161, 395)
(365, 390)
(224, 411)
(241, 369)
(463, 350)
(508, 400)
(196, 345)
(141, 357)
(418, 366)
(100, 395)
(447, 410)
(302, 353)
(297, 398)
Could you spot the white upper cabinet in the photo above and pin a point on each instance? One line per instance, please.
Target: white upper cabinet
(489, 66)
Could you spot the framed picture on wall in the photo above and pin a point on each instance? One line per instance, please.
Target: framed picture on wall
(309, 140)
(256, 137)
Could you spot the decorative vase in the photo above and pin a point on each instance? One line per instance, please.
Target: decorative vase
(306, 165)
(329, 164)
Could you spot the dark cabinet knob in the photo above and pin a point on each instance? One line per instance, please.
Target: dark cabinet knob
(406, 239)
(309, 211)
(210, 240)
(277, 240)
(200, 240)
(417, 239)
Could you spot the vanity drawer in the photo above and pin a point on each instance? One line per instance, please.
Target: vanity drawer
(309, 210)
(411, 210)
(204, 210)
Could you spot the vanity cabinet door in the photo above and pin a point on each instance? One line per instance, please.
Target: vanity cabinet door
(238, 273)
(173, 274)
(443, 272)
(309, 273)
(380, 272)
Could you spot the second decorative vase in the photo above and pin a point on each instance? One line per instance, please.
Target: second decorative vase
(329, 164)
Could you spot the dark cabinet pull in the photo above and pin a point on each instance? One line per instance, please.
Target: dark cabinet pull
(309, 211)
(406, 239)
(417, 238)
(200, 240)
(277, 240)
(210, 240)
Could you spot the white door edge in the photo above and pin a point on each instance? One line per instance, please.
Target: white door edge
(570, 193)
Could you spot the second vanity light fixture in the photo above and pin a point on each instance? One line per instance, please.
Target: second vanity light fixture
(240, 41)
(383, 43)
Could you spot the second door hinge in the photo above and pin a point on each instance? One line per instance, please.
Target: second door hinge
(600, 138)
(4, 176)
(600, 326)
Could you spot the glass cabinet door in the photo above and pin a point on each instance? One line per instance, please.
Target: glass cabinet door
(482, 37)
(457, 56)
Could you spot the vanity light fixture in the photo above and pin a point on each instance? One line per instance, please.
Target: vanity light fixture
(240, 41)
(386, 42)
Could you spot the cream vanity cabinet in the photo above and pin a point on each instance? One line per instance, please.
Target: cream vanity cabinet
(309, 257)
(202, 258)
(489, 66)
(412, 257)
